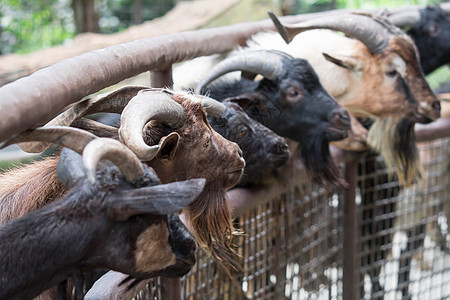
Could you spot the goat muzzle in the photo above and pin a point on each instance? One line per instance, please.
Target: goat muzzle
(340, 124)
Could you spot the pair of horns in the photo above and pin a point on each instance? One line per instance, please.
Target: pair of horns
(268, 63)
(374, 32)
(92, 148)
(138, 105)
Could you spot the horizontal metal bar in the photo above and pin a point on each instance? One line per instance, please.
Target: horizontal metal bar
(33, 100)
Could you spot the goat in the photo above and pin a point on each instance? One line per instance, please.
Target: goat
(188, 148)
(429, 27)
(123, 222)
(261, 147)
(376, 75)
(289, 100)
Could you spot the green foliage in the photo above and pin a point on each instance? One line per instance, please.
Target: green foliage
(116, 15)
(306, 6)
(27, 26)
(439, 76)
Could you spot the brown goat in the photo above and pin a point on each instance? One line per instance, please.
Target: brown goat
(192, 150)
(375, 73)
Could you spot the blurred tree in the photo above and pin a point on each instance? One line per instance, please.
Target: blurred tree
(85, 16)
(30, 25)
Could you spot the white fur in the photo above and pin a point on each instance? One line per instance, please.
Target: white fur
(310, 45)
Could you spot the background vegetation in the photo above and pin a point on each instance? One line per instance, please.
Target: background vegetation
(26, 26)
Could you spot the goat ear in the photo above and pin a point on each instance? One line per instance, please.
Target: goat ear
(245, 101)
(70, 167)
(168, 146)
(156, 200)
(344, 61)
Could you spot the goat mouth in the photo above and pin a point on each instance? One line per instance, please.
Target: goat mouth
(277, 160)
(236, 172)
(240, 166)
(336, 133)
(422, 118)
(187, 261)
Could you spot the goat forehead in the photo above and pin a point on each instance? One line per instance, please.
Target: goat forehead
(405, 48)
(399, 64)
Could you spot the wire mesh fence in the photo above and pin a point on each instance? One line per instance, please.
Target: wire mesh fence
(292, 246)
(403, 246)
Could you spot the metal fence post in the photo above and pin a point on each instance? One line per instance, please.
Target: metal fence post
(161, 78)
(170, 287)
(349, 247)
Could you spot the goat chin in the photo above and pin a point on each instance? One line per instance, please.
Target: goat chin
(402, 154)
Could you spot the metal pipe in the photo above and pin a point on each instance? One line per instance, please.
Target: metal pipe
(161, 78)
(33, 100)
(171, 288)
(349, 247)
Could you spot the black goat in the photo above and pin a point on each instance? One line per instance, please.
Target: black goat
(429, 27)
(114, 224)
(289, 100)
(261, 147)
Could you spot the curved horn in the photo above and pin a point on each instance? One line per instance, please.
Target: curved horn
(373, 32)
(112, 102)
(73, 138)
(148, 105)
(405, 19)
(113, 150)
(212, 106)
(268, 63)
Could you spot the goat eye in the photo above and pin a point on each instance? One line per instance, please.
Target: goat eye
(433, 30)
(243, 130)
(391, 73)
(293, 95)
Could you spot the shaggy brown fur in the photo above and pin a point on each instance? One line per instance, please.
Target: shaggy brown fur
(27, 188)
(209, 215)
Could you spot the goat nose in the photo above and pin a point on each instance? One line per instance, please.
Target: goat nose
(280, 147)
(240, 151)
(339, 117)
(436, 106)
(191, 246)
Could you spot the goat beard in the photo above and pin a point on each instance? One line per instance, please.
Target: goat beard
(319, 165)
(209, 218)
(394, 140)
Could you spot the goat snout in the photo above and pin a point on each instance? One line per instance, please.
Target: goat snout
(436, 107)
(279, 154)
(339, 124)
(239, 151)
(339, 118)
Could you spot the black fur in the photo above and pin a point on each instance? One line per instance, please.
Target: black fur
(306, 121)
(73, 235)
(261, 147)
(431, 36)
